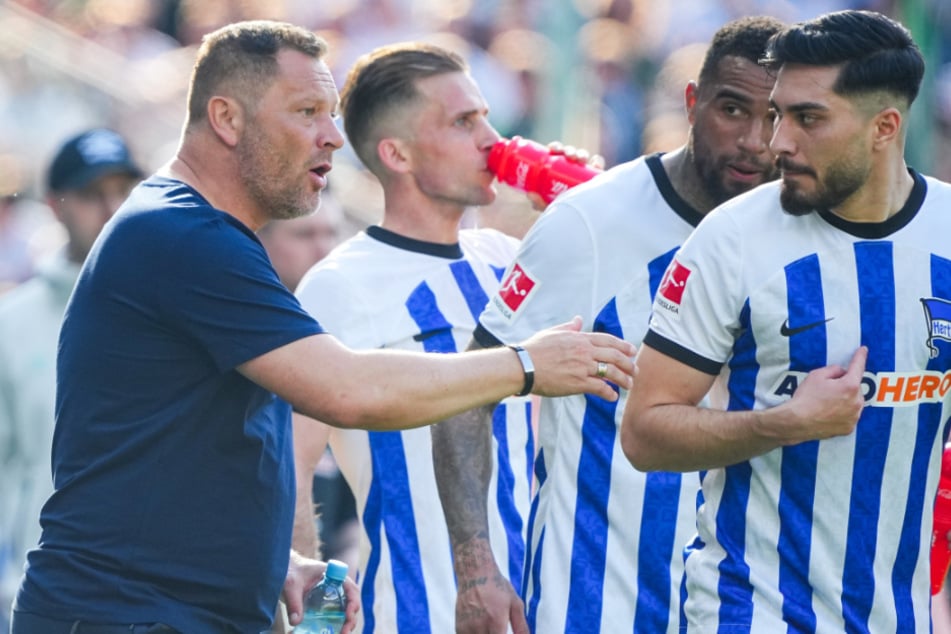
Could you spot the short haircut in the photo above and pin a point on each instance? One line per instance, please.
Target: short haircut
(745, 37)
(383, 82)
(876, 52)
(241, 58)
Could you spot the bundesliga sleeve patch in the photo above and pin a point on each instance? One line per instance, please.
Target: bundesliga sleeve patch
(674, 282)
(672, 286)
(517, 287)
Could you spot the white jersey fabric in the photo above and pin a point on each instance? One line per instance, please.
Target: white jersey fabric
(382, 290)
(606, 541)
(825, 536)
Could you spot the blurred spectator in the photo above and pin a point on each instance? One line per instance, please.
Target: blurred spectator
(88, 179)
(297, 244)
(16, 264)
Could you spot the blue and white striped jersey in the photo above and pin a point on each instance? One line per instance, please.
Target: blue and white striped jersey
(381, 290)
(831, 535)
(606, 541)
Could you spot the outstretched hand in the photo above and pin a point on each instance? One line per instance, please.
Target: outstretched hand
(568, 361)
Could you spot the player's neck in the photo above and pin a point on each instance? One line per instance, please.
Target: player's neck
(684, 178)
(436, 226)
(883, 195)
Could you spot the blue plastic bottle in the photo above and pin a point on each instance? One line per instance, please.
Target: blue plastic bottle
(325, 605)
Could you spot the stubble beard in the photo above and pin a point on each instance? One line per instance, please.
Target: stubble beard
(842, 181)
(712, 171)
(269, 181)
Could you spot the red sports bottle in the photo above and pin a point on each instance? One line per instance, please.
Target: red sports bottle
(940, 545)
(532, 167)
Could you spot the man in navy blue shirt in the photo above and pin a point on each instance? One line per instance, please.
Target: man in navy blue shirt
(182, 355)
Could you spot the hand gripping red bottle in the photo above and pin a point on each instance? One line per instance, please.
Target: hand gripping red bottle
(532, 167)
(940, 544)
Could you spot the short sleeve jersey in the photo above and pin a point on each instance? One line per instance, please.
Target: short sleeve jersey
(173, 473)
(829, 535)
(606, 541)
(383, 290)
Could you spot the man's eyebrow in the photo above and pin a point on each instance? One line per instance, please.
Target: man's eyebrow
(799, 107)
(730, 93)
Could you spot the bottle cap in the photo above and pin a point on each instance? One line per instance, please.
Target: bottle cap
(336, 570)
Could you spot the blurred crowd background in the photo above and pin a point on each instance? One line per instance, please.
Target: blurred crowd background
(606, 75)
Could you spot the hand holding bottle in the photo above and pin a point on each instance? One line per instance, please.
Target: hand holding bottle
(537, 169)
(303, 575)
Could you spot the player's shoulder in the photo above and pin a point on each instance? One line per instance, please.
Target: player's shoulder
(617, 184)
(758, 205)
(936, 189)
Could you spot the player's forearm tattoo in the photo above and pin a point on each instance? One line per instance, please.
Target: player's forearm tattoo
(462, 460)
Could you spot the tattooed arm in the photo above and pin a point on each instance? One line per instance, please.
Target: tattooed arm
(462, 459)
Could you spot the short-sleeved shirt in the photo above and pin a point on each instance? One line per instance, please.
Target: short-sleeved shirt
(827, 535)
(383, 290)
(173, 473)
(605, 540)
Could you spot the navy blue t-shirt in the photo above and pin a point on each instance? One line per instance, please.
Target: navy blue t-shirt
(174, 474)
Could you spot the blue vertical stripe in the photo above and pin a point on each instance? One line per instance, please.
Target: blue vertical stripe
(505, 498)
(475, 296)
(876, 286)
(805, 304)
(533, 554)
(655, 551)
(373, 525)
(920, 501)
(734, 589)
(589, 539)
(530, 444)
(391, 481)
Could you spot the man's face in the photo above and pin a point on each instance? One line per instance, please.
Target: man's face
(821, 140)
(731, 125)
(285, 150)
(449, 141)
(84, 212)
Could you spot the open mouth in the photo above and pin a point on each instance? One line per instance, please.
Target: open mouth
(745, 172)
(320, 174)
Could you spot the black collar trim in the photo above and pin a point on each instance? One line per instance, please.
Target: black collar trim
(877, 230)
(680, 206)
(448, 251)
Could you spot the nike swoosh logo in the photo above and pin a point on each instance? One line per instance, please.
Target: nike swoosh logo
(786, 331)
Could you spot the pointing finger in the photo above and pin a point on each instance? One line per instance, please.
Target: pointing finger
(857, 364)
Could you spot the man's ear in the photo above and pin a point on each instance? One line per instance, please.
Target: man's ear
(227, 118)
(887, 127)
(691, 94)
(394, 155)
